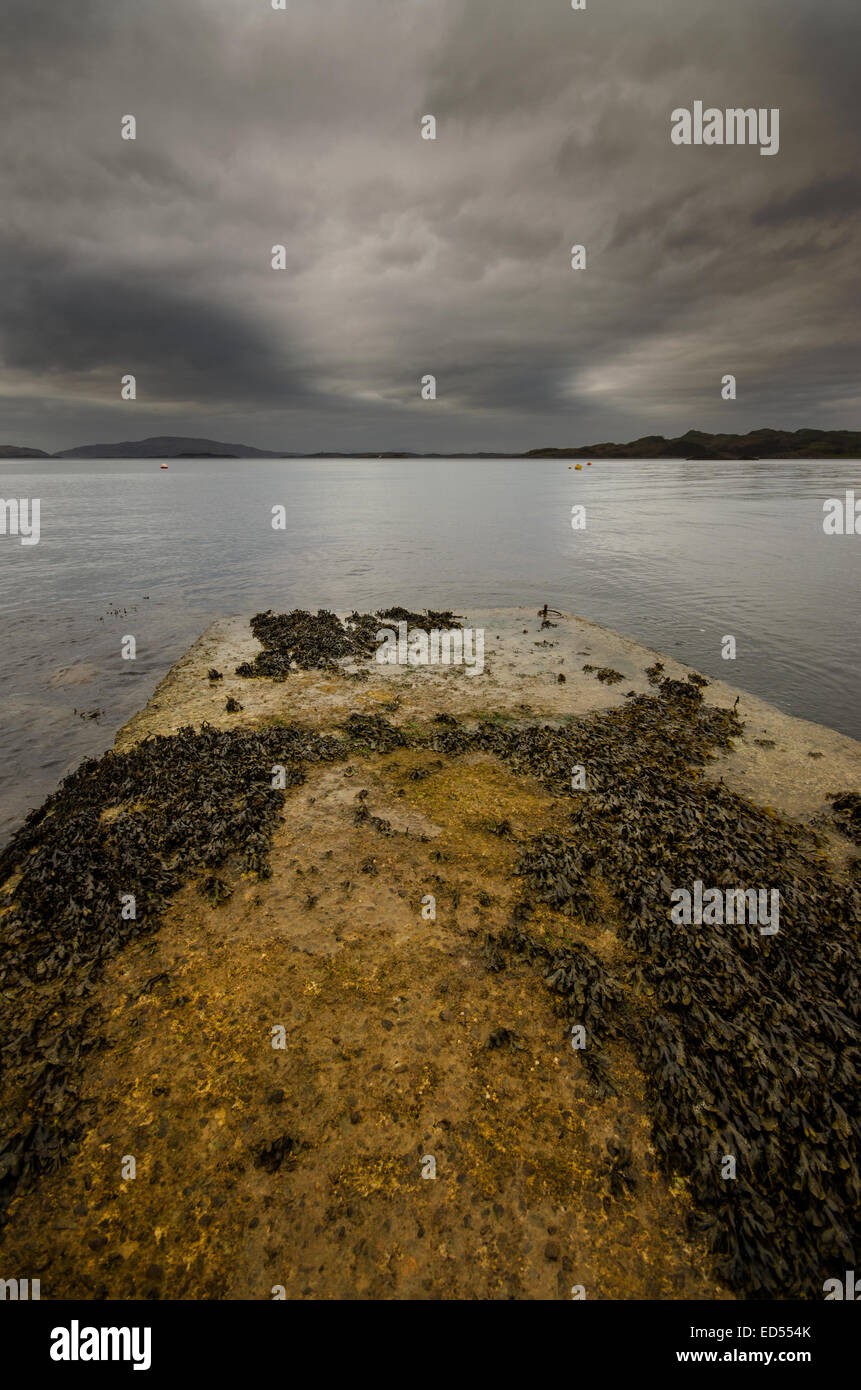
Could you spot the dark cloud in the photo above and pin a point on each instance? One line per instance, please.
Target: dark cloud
(93, 325)
(827, 197)
(408, 257)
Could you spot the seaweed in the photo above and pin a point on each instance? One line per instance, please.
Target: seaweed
(274, 1154)
(504, 1037)
(304, 641)
(619, 1162)
(846, 814)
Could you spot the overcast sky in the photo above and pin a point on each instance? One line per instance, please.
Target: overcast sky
(405, 256)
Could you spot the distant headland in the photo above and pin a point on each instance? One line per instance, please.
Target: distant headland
(757, 444)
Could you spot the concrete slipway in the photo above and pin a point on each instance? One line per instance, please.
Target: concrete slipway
(387, 1018)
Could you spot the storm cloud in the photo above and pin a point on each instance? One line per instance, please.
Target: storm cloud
(301, 127)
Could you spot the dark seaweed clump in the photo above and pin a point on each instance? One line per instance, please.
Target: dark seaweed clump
(619, 1162)
(139, 822)
(750, 1043)
(605, 674)
(558, 874)
(846, 813)
(373, 733)
(505, 1037)
(274, 1154)
(303, 641)
(214, 889)
(584, 993)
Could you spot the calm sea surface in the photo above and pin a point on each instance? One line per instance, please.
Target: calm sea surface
(674, 554)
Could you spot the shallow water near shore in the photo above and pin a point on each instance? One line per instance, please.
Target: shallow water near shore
(674, 554)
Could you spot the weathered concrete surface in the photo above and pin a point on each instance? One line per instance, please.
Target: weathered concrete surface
(520, 678)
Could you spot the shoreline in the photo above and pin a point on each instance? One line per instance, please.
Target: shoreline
(533, 456)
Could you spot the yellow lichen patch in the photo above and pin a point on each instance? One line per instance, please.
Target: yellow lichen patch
(376, 1173)
(376, 696)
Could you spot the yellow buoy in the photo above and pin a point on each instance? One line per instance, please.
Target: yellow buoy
(578, 468)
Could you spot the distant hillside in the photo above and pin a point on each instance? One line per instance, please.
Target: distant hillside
(165, 446)
(758, 444)
(762, 444)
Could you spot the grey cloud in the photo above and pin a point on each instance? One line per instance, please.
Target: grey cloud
(407, 257)
(821, 200)
(83, 324)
